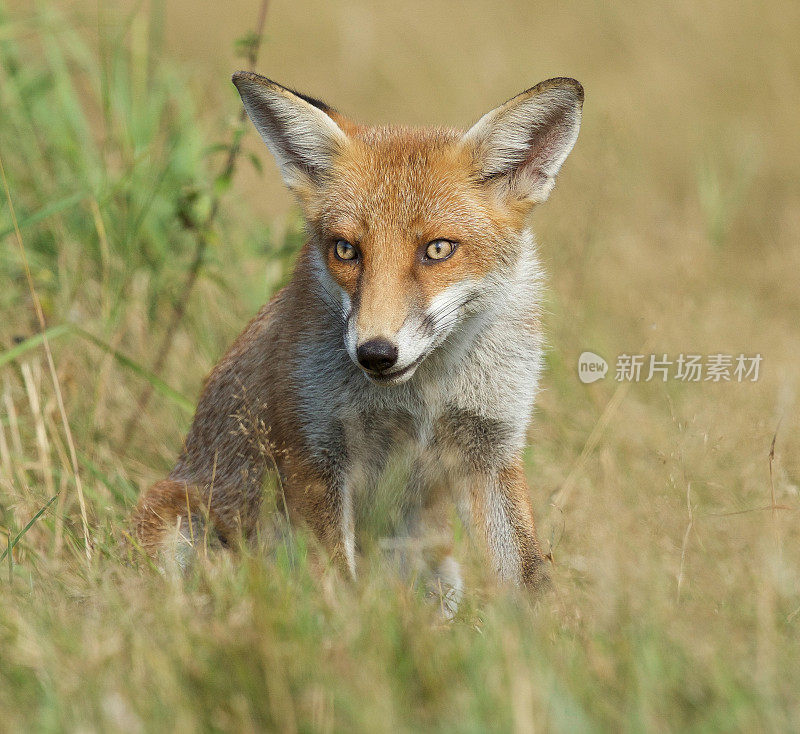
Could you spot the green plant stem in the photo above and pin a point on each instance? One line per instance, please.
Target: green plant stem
(201, 243)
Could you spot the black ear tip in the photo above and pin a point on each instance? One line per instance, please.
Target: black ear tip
(243, 77)
(565, 83)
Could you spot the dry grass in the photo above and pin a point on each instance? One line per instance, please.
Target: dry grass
(671, 509)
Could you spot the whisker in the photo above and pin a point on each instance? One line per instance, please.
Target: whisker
(442, 308)
(452, 306)
(334, 306)
(447, 310)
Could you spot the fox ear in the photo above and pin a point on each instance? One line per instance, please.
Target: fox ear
(298, 130)
(523, 142)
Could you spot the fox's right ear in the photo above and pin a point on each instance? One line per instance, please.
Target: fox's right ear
(297, 129)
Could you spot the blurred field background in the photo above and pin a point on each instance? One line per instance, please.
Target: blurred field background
(674, 228)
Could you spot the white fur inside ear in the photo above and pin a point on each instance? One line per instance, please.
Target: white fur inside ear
(301, 137)
(528, 139)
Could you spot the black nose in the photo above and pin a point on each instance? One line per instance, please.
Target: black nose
(377, 355)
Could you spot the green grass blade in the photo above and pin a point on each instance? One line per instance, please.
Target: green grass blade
(17, 351)
(56, 331)
(45, 212)
(157, 383)
(113, 487)
(24, 530)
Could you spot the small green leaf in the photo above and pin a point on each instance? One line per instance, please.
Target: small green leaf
(256, 161)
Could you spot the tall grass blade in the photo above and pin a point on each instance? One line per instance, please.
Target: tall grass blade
(153, 380)
(23, 347)
(44, 213)
(21, 533)
(61, 329)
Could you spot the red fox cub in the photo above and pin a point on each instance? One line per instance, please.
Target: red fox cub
(411, 324)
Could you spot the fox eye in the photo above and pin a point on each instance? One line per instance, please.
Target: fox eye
(344, 250)
(439, 250)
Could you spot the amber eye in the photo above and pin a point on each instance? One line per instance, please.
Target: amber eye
(345, 251)
(439, 249)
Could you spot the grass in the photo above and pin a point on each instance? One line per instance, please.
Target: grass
(672, 527)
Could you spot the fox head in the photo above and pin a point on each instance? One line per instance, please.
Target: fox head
(413, 229)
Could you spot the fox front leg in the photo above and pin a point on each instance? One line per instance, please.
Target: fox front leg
(501, 514)
(324, 504)
(427, 536)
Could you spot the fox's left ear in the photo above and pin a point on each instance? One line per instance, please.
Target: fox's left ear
(523, 143)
